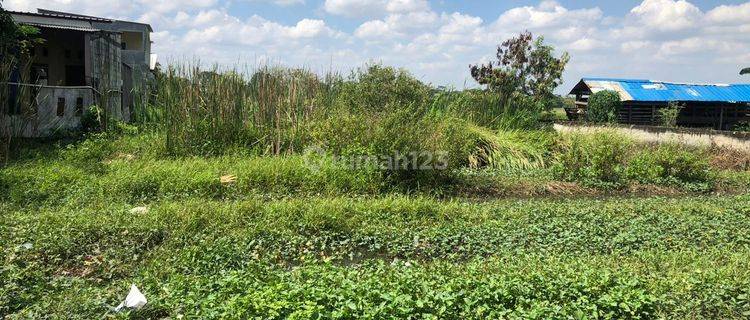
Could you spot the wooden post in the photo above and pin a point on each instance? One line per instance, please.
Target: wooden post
(630, 114)
(653, 115)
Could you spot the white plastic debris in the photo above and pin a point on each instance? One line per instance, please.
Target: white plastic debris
(134, 300)
(139, 210)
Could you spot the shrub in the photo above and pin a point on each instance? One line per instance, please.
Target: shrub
(670, 114)
(439, 142)
(603, 106)
(672, 164)
(742, 126)
(379, 88)
(598, 159)
(91, 121)
(426, 147)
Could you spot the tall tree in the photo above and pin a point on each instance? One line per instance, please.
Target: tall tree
(524, 65)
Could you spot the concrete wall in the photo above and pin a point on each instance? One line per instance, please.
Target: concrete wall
(106, 71)
(130, 56)
(136, 60)
(46, 121)
(132, 40)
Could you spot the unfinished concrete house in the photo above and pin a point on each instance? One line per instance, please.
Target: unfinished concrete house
(83, 61)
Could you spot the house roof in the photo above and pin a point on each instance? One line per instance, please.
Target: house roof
(91, 18)
(659, 91)
(52, 21)
(71, 15)
(64, 20)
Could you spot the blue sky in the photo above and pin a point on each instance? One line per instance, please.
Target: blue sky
(671, 40)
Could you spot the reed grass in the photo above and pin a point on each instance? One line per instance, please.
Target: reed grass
(508, 150)
(267, 110)
(273, 110)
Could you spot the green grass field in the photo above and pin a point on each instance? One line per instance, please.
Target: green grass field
(283, 240)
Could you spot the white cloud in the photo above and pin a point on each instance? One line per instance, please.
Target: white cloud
(226, 29)
(308, 28)
(727, 14)
(412, 21)
(173, 5)
(586, 44)
(667, 15)
(181, 17)
(354, 8)
(286, 3)
(655, 39)
(373, 29)
(401, 6)
(397, 25)
(548, 14)
(633, 46)
(372, 8)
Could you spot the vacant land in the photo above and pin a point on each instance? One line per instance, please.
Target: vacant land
(274, 195)
(276, 238)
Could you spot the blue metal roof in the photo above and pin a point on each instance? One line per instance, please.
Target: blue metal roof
(657, 91)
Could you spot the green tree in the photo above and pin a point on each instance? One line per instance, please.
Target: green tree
(745, 71)
(524, 66)
(602, 107)
(15, 39)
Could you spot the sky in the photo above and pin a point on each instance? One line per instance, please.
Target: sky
(695, 41)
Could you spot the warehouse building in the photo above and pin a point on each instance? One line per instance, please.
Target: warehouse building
(717, 106)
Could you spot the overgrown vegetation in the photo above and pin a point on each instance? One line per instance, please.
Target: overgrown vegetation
(609, 160)
(15, 42)
(670, 114)
(602, 107)
(280, 193)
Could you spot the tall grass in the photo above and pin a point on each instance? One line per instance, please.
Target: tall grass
(508, 150)
(206, 112)
(375, 112)
(16, 102)
(488, 109)
(275, 110)
(5, 70)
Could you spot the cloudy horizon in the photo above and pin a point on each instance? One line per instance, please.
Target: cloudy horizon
(681, 41)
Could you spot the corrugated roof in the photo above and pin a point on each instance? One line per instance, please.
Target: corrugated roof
(85, 17)
(74, 21)
(70, 15)
(61, 15)
(50, 21)
(658, 91)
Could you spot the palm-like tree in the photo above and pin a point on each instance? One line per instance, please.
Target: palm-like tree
(745, 71)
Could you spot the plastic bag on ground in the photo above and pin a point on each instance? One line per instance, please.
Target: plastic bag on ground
(134, 300)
